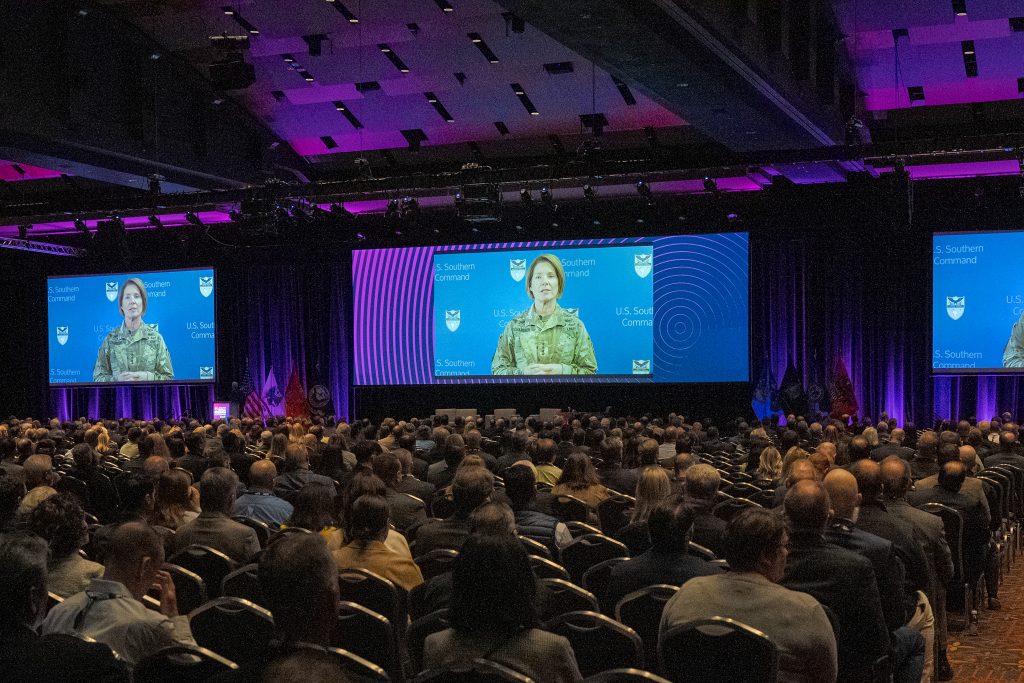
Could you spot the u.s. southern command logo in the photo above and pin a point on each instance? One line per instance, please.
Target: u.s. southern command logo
(62, 334)
(205, 372)
(111, 291)
(206, 285)
(517, 268)
(642, 264)
(955, 306)
(641, 367)
(452, 320)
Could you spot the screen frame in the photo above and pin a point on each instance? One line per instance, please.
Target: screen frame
(540, 380)
(150, 383)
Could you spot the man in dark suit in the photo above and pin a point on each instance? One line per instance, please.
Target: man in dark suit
(666, 562)
(214, 526)
(404, 509)
(613, 475)
(925, 462)
(519, 451)
(1007, 453)
(897, 605)
(930, 534)
(194, 459)
(839, 579)
(471, 487)
(532, 520)
(296, 474)
(407, 483)
(702, 482)
(893, 447)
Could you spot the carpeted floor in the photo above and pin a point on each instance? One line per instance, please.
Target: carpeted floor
(996, 654)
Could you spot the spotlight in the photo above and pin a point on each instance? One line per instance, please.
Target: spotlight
(392, 210)
(643, 189)
(459, 199)
(360, 236)
(193, 219)
(588, 191)
(23, 231)
(545, 195)
(409, 206)
(81, 226)
(524, 196)
(710, 185)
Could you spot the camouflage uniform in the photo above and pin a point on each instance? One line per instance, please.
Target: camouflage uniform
(558, 338)
(1013, 354)
(143, 350)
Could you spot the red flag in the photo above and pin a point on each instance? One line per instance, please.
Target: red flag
(841, 390)
(295, 404)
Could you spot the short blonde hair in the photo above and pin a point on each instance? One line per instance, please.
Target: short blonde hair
(555, 263)
(142, 291)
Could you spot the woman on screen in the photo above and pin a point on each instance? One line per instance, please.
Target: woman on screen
(133, 351)
(545, 339)
(1013, 353)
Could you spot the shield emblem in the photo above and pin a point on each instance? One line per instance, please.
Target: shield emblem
(955, 306)
(517, 268)
(641, 367)
(206, 285)
(205, 372)
(62, 334)
(112, 291)
(452, 320)
(319, 396)
(642, 264)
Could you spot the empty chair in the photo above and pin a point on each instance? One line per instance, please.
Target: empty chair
(417, 633)
(233, 628)
(614, 512)
(641, 611)
(597, 577)
(546, 569)
(210, 564)
(181, 664)
(436, 562)
(243, 583)
(599, 643)
(189, 588)
(373, 592)
(365, 633)
(262, 529)
(625, 676)
(717, 649)
(561, 596)
(589, 550)
(479, 671)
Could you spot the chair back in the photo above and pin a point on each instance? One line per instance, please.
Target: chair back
(764, 497)
(365, 633)
(614, 512)
(189, 588)
(697, 550)
(281, 533)
(262, 529)
(544, 568)
(953, 522)
(416, 635)
(626, 676)
(442, 507)
(243, 583)
(589, 550)
(569, 509)
(561, 597)
(599, 643)
(76, 487)
(727, 509)
(361, 670)
(717, 649)
(373, 592)
(597, 577)
(577, 529)
(741, 489)
(994, 495)
(641, 611)
(535, 547)
(233, 628)
(180, 664)
(478, 671)
(436, 562)
(210, 564)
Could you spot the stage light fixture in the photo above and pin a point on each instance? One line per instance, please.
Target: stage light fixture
(23, 231)
(81, 227)
(392, 210)
(459, 199)
(588, 191)
(710, 184)
(642, 188)
(409, 206)
(193, 219)
(524, 196)
(545, 195)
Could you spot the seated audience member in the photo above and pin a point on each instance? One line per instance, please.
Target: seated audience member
(441, 473)
(130, 449)
(908, 644)
(769, 468)
(654, 487)
(925, 461)
(259, 502)
(194, 460)
(39, 472)
(214, 526)
(839, 579)
(471, 488)
(702, 482)
(172, 506)
(296, 474)
(33, 498)
(366, 529)
(517, 450)
(544, 459)
(408, 483)
(405, 509)
(103, 500)
(894, 446)
(755, 547)
(332, 463)
(314, 511)
(60, 522)
(611, 472)
(497, 619)
(1008, 453)
(521, 489)
(110, 609)
(137, 493)
(12, 490)
(801, 469)
(580, 480)
(24, 656)
(669, 524)
(8, 460)
(154, 466)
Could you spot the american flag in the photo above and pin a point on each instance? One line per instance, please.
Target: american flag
(255, 406)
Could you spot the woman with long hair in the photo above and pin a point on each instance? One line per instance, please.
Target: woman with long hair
(579, 479)
(493, 614)
(653, 487)
(314, 510)
(172, 506)
(769, 467)
(366, 530)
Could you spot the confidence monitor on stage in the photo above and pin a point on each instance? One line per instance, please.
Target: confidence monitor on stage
(638, 309)
(977, 303)
(128, 328)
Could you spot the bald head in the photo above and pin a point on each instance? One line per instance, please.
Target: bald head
(952, 475)
(868, 475)
(842, 492)
(261, 474)
(968, 456)
(807, 506)
(154, 466)
(803, 470)
(895, 476)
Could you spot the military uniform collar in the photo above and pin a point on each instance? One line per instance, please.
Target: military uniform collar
(533, 316)
(143, 331)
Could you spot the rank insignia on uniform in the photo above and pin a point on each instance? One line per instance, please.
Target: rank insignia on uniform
(452, 320)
